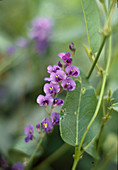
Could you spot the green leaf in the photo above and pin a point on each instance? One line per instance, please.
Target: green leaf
(92, 21)
(91, 149)
(76, 114)
(114, 102)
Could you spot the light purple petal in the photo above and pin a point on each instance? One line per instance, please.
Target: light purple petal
(61, 55)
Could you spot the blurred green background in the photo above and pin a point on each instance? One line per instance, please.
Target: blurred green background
(22, 74)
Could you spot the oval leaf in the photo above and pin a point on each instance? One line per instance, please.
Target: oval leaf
(76, 114)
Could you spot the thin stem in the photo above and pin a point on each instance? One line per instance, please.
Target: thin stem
(75, 158)
(54, 156)
(34, 153)
(98, 105)
(97, 57)
(107, 115)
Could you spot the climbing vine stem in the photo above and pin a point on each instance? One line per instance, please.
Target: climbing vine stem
(105, 73)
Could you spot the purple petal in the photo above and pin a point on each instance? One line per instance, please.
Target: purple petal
(61, 55)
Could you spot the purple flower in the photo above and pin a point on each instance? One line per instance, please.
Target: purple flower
(18, 166)
(68, 84)
(38, 127)
(66, 58)
(58, 102)
(44, 100)
(21, 42)
(11, 49)
(50, 88)
(3, 163)
(58, 76)
(71, 47)
(72, 71)
(59, 64)
(55, 118)
(53, 68)
(47, 125)
(41, 28)
(29, 131)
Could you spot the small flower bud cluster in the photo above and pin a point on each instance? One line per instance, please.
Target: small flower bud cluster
(60, 79)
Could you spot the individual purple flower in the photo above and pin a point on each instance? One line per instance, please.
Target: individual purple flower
(71, 47)
(59, 64)
(44, 100)
(47, 125)
(53, 68)
(68, 84)
(50, 88)
(72, 71)
(29, 131)
(3, 163)
(55, 118)
(18, 166)
(58, 102)
(58, 76)
(66, 58)
(11, 49)
(38, 127)
(21, 42)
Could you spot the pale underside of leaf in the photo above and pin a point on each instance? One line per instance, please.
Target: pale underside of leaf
(76, 114)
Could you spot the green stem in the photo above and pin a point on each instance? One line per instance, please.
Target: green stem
(97, 57)
(75, 158)
(34, 153)
(54, 156)
(104, 120)
(97, 108)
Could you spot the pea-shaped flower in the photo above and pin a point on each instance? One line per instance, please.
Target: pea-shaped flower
(53, 68)
(29, 131)
(50, 88)
(72, 71)
(68, 84)
(66, 58)
(44, 100)
(58, 102)
(58, 76)
(55, 118)
(47, 125)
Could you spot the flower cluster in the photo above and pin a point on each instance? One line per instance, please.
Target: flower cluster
(61, 78)
(40, 32)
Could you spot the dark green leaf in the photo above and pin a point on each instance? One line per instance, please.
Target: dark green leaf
(76, 114)
(92, 21)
